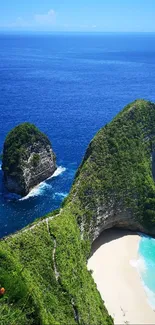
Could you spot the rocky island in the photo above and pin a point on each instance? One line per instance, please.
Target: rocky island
(43, 268)
(28, 159)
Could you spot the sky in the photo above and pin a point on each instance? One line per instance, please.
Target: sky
(78, 15)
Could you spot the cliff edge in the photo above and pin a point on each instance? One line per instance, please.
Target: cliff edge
(28, 159)
(114, 186)
(43, 267)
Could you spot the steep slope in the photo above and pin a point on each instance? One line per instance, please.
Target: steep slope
(114, 186)
(43, 270)
(43, 267)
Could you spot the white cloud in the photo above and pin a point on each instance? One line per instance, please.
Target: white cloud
(37, 21)
(45, 19)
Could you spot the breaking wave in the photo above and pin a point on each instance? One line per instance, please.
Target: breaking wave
(38, 190)
(44, 186)
(61, 194)
(145, 266)
(58, 171)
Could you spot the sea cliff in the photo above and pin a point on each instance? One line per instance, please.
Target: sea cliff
(28, 159)
(114, 186)
(43, 267)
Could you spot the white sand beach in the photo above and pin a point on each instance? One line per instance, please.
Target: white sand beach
(117, 280)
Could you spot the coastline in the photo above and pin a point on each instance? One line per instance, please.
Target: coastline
(35, 190)
(118, 282)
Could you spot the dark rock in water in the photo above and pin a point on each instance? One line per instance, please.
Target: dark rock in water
(28, 159)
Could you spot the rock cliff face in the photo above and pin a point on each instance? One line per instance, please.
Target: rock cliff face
(114, 186)
(43, 268)
(28, 159)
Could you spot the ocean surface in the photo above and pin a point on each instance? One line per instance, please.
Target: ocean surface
(146, 266)
(70, 85)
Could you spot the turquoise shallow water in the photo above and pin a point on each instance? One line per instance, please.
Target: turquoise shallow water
(146, 266)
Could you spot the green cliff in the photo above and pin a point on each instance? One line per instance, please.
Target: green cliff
(114, 186)
(43, 267)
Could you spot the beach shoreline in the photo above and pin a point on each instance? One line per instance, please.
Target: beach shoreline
(112, 259)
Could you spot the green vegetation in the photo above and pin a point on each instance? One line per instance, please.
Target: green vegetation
(15, 145)
(43, 268)
(35, 159)
(118, 167)
(27, 271)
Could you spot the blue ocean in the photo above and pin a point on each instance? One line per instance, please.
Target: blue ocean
(146, 267)
(69, 85)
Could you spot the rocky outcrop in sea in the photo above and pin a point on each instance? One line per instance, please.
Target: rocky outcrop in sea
(28, 159)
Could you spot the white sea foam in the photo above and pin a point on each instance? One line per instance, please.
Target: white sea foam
(141, 267)
(150, 296)
(38, 190)
(133, 263)
(139, 264)
(61, 194)
(43, 186)
(58, 171)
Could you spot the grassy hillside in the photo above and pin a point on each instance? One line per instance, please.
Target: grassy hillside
(43, 268)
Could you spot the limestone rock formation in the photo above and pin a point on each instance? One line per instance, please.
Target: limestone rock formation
(28, 159)
(114, 186)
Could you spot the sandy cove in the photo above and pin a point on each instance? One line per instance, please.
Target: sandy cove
(117, 280)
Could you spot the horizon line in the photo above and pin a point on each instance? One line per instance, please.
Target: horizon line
(74, 32)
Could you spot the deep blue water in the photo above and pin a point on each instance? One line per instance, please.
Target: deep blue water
(69, 86)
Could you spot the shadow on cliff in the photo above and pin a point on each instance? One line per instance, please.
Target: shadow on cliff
(109, 235)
